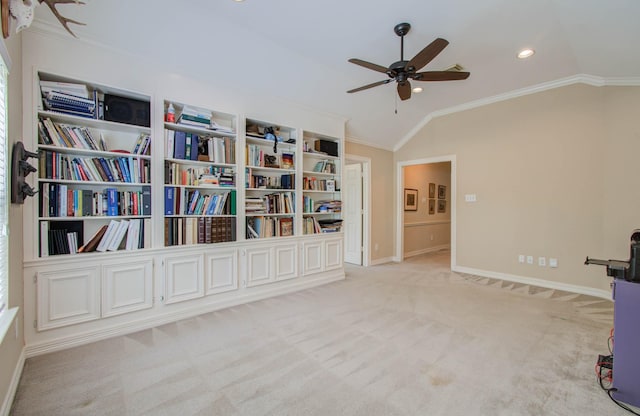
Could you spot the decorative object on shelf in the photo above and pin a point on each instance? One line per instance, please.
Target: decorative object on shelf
(410, 199)
(22, 12)
(269, 134)
(20, 168)
(442, 192)
(432, 190)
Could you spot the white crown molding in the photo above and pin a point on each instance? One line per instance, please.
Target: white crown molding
(562, 82)
(355, 140)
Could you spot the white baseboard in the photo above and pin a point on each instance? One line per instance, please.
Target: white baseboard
(99, 334)
(583, 290)
(13, 386)
(382, 260)
(427, 250)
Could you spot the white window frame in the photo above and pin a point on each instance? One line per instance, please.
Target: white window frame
(6, 315)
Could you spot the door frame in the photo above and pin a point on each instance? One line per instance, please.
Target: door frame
(366, 204)
(400, 203)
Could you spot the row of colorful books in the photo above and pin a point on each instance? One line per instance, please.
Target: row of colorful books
(56, 165)
(61, 200)
(181, 201)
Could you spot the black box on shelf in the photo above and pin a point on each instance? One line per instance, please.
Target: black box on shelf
(326, 146)
(127, 110)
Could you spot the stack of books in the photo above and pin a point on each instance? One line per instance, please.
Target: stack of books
(195, 117)
(69, 98)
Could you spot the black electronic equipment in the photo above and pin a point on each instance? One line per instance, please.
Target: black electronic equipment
(326, 146)
(623, 269)
(127, 110)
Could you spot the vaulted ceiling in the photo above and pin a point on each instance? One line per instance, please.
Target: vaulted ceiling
(298, 50)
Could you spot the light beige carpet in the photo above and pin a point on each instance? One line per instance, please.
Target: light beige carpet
(397, 339)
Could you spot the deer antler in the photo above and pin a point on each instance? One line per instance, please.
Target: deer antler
(52, 5)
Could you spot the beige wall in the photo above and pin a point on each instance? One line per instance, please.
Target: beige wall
(382, 198)
(11, 347)
(422, 231)
(553, 173)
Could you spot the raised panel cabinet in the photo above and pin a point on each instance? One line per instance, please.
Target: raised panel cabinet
(127, 287)
(286, 265)
(333, 254)
(183, 277)
(67, 297)
(258, 266)
(312, 257)
(221, 272)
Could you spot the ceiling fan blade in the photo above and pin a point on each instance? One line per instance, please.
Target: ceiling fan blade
(440, 76)
(366, 87)
(368, 65)
(404, 90)
(427, 54)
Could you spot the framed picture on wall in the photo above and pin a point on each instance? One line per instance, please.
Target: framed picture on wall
(442, 192)
(432, 190)
(432, 206)
(410, 199)
(442, 205)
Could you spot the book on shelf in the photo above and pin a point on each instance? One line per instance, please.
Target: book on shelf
(93, 242)
(118, 237)
(60, 237)
(71, 88)
(325, 166)
(169, 136)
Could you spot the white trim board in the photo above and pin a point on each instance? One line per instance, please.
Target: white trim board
(535, 282)
(562, 82)
(383, 260)
(427, 250)
(13, 386)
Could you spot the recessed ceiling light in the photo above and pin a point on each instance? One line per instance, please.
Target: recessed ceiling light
(525, 53)
(417, 90)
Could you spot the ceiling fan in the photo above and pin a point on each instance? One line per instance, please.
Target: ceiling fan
(402, 71)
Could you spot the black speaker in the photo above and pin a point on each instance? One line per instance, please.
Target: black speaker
(127, 110)
(326, 146)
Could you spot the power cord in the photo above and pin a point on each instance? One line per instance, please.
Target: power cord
(609, 391)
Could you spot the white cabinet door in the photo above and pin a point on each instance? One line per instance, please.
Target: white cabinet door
(332, 254)
(221, 271)
(286, 261)
(184, 277)
(127, 287)
(258, 266)
(312, 257)
(67, 297)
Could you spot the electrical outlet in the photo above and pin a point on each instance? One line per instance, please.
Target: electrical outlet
(375, 247)
(542, 261)
(529, 259)
(521, 258)
(553, 262)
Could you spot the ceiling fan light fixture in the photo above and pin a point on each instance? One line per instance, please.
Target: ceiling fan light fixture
(417, 90)
(526, 53)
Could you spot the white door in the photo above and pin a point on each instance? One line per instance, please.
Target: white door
(352, 180)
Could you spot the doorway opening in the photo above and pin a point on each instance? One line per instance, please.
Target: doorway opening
(426, 208)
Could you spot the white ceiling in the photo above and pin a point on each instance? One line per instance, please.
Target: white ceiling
(297, 50)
